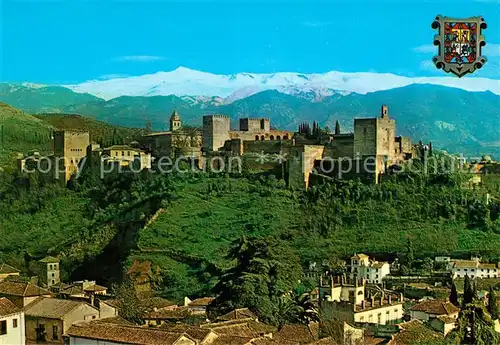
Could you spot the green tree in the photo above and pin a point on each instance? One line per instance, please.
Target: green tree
(493, 307)
(475, 326)
(468, 297)
(410, 258)
(454, 295)
(264, 271)
(129, 305)
(337, 128)
(428, 265)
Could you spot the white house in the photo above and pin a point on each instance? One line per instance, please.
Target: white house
(370, 270)
(473, 268)
(11, 323)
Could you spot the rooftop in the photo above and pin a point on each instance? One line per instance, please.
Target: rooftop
(436, 307)
(52, 308)
(414, 332)
(7, 307)
(127, 334)
(237, 314)
(23, 289)
(7, 269)
(49, 260)
(201, 302)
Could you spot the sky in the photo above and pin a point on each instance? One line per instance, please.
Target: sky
(65, 42)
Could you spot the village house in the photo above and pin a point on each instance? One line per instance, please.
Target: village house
(430, 309)
(414, 332)
(355, 305)
(11, 323)
(96, 333)
(443, 324)
(199, 305)
(48, 319)
(371, 270)
(7, 271)
(473, 268)
(22, 293)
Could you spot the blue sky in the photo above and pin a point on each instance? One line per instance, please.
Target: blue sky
(73, 41)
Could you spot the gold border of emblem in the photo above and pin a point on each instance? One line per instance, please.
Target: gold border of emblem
(459, 69)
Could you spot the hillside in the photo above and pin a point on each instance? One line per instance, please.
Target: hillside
(39, 99)
(21, 132)
(453, 119)
(100, 132)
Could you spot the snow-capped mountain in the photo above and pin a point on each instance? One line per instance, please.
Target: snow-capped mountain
(187, 82)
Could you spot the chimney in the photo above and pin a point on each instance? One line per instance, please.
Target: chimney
(332, 284)
(401, 298)
(373, 301)
(354, 307)
(363, 304)
(390, 299)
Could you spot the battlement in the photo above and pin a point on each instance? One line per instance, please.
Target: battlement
(217, 116)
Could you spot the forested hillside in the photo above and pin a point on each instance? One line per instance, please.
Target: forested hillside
(100, 226)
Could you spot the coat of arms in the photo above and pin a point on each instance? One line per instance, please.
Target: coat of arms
(460, 42)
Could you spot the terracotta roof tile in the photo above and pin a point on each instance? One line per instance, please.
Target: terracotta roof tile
(157, 302)
(201, 302)
(126, 334)
(13, 288)
(7, 269)
(95, 288)
(197, 333)
(436, 307)
(414, 333)
(164, 314)
(300, 333)
(237, 314)
(49, 260)
(465, 263)
(52, 308)
(232, 340)
(7, 307)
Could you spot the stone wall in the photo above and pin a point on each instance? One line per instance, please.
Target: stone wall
(215, 132)
(301, 162)
(255, 124)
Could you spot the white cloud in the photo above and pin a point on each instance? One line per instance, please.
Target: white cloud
(426, 48)
(139, 58)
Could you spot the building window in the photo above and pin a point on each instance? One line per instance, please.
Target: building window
(50, 267)
(55, 334)
(14, 323)
(3, 327)
(123, 153)
(53, 282)
(52, 274)
(362, 319)
(379, 318)
(370, 318)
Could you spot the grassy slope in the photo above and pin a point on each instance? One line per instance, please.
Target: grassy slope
(22, 132)
(202, 226)
(98, 130)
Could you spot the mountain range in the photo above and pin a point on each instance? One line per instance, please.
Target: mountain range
(458, 115)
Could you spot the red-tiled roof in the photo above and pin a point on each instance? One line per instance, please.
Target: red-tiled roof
(24, 289)
(436, 307)
(7, 269)
(299, 333)
(7, 307)
(52, 308)
(201, 302)
(237, 314)
(126, 334)
(414, 332)
(232, 340)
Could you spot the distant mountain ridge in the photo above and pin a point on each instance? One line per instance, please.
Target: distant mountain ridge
(455, 120)
(184, 81)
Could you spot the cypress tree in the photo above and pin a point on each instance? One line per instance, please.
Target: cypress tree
(454, 295)
(337, 128)
(468, 292)
(493, 308)
(409, 254)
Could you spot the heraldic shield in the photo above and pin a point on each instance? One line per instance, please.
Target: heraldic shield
(460, 42)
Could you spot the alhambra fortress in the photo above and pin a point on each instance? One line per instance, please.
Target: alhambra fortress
(367, 152)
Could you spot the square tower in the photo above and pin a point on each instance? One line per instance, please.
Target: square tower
(49, 269)
(69, 149)
(261, 125)
(215, 132)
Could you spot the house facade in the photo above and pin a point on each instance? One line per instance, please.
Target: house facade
(473, 268)
(371, 271)
(11, 323)
(22, 293)
(431, 309)
(48, 319)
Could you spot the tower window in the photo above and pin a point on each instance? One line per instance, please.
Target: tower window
(262, 124)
